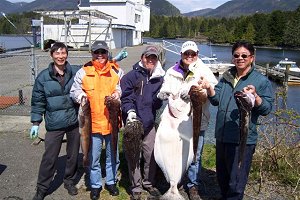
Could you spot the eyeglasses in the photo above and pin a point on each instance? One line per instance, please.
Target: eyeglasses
(100, 51)
(190, 53)
(243, 56)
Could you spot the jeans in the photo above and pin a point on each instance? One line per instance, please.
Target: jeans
(195, 167)
(232, 179)
(111, 165)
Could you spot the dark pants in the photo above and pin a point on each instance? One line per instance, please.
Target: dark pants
(232, 179)
(53, 142)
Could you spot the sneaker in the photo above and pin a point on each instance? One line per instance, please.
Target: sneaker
(193, 193)
(95, 193)
(72, 190)
(39, 195)
(112, 189)
(136, 196)
(153, 191)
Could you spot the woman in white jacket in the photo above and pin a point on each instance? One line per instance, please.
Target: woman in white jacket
(177, 81)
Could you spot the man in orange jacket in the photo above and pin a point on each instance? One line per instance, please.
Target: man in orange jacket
(95, 80)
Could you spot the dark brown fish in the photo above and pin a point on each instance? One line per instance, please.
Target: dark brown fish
(113, 106)
(132, 140)
(85, 128)
(245, 106)
(198, 98)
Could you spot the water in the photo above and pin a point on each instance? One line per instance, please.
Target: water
(16, 42)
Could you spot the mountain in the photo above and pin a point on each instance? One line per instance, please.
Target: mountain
(236, 8)
(8, 7)
(202, 12)
(158, 7)
(163, 7)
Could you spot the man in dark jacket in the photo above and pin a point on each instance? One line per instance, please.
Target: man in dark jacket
(51, 100)
(139, 101)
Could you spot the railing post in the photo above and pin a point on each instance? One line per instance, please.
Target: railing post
(267, 70)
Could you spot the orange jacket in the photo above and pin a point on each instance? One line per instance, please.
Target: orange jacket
(98, 83)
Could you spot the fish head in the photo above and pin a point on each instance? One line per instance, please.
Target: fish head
(244, 100)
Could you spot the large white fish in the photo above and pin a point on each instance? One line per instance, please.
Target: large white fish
(173, 149)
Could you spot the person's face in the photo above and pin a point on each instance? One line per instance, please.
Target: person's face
(100, 55)
(59, 57)
(242, 58)
(149, 62)
(189, 57)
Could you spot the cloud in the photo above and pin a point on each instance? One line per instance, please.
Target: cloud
(193, 5)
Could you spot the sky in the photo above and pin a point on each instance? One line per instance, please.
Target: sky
(183, 5)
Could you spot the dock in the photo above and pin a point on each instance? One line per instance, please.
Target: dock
(278, 75)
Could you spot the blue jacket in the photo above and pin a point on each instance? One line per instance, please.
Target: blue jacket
(139, 93)
(53, 101)
(227, 123)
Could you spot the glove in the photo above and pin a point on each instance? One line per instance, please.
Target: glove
(131, 116)
(81, 96)
(121, 55)
(34, 132)
(163, 95)
(184, 94)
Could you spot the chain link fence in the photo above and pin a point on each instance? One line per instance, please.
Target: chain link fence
(18, 72)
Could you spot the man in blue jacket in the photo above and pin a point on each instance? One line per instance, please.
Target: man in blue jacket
(51, 100)
(139, 101)
(233, 176)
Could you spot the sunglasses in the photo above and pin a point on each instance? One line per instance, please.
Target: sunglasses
(100, 51)
(190, 53)
(243, 56)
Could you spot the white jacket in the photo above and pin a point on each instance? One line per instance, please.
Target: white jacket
(174, 83)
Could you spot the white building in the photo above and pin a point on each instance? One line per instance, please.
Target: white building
(118, 22)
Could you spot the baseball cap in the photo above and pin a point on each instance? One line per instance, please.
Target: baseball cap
(150, 50)
(99, 45)
(189, 45)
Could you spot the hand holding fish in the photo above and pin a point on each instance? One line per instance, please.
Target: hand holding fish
(252, 90)
(204, 84)
(131, 116)
(115, 95)
(163, 95)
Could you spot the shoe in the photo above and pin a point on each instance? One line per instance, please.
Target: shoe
(39, 195)
(72, 190)
(95, 193)
(112, 189)
(153, 191)
(193, 193)
(136, 196)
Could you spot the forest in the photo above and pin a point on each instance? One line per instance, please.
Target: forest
(279, 28)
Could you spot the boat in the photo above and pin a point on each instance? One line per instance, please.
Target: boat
(2, 49)
(282, 65)
(218, 68)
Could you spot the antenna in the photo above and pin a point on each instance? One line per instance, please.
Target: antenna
(15, 27)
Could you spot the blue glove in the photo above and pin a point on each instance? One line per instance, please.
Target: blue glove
(121, 55)
(34, 132)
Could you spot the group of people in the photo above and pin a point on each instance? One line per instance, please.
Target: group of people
(59, 89)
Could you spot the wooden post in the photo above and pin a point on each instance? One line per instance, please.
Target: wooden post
(267, 70)
(286, 75)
